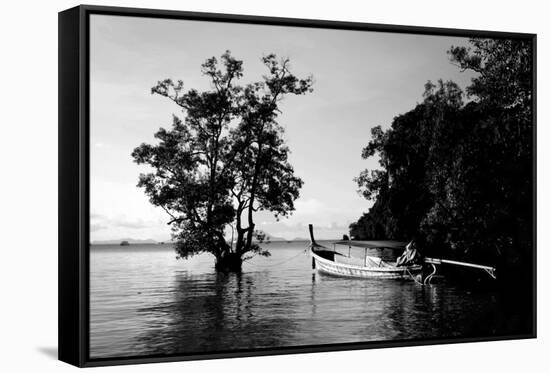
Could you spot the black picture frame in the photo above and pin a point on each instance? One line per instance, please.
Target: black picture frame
(74, 235)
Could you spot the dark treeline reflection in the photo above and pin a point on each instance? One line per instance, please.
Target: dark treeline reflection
(454, 312)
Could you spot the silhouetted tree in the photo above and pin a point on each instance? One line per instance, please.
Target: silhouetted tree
(460, 175)
(264, 179)
(226, 155)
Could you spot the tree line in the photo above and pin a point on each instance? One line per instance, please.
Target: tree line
(456, 171)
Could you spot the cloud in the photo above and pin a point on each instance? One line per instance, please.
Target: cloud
(135, 224)
(288, 230)
(122, 210)
(100, 221)
(328, 215)
(330, 220)
(96, 227)
(310, 206)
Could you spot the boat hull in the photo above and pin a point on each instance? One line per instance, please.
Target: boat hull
(350, 270)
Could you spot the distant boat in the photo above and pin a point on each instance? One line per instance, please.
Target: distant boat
(124, 243)
(332, 262)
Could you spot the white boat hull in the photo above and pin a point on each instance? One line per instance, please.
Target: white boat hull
(350, 270)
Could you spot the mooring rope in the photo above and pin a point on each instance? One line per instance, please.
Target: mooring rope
(278, 263)
(414, 278)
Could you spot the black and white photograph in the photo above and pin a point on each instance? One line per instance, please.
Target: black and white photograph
(272, 187)
(255, 187)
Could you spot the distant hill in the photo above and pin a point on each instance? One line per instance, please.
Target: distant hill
(131, 241)
(273, 238)
(282, 239)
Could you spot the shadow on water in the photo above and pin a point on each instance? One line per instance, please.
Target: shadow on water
(215, 312)
(404, 310)
(449, 311)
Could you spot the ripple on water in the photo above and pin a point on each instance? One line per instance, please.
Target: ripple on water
(143, 301)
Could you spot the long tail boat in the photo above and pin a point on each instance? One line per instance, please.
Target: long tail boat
(369, 266)
(333, 262)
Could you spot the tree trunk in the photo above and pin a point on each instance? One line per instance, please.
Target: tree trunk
(252, 196)
(229, 262)
(239, 246)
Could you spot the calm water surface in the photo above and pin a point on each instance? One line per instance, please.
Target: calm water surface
(143, 301)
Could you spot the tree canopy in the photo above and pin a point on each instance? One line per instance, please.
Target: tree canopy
(458, 175)
(225, 160)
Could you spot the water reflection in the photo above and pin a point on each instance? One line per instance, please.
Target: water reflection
(144, 302)
(215, 312)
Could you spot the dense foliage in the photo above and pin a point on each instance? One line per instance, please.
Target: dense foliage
(458, 176)
(225, 160)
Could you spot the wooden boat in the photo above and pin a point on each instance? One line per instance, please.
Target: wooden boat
(334, 263)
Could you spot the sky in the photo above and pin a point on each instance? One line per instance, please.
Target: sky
(362, 79)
